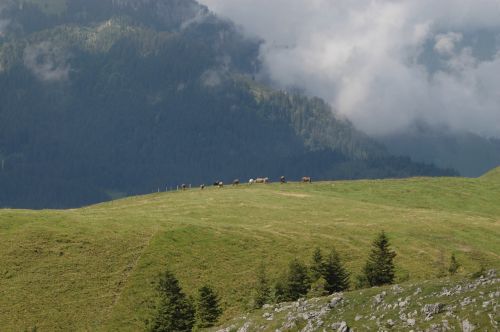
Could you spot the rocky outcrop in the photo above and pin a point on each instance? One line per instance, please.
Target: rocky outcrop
(432, 306)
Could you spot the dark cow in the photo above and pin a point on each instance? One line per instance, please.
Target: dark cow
(236, 182)
(202, 187)
(183, 186)
(282, 179)
(306, 179)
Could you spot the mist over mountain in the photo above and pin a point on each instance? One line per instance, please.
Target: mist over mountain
(384, 64)
(471, 154)
(101, 99)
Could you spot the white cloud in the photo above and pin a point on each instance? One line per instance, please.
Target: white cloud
(446, 43)
(366, 57)
(47, 61)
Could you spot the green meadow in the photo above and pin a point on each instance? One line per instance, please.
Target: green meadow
(94, 268)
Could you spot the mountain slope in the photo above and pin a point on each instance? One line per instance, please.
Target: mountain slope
(470, 154)
(94, 268)
(103, 99)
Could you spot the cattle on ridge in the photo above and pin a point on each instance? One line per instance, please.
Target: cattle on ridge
(262, 180)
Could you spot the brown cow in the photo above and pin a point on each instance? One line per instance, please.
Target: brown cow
(306, 179)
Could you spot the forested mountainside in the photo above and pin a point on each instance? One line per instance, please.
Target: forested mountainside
(106, 98)
(470, 154)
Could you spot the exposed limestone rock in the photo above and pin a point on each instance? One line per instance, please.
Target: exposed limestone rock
(429, 310)
(379, 298)
(340, 327)
(335, 301)
(471, 305)
(467, 326)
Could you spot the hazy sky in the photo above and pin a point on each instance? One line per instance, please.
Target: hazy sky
(384, 63)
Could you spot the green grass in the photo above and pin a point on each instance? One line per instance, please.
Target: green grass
(474, 300)
(493, 175)
(94, 268)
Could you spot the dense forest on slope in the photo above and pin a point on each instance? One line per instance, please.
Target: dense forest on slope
(100, 99)
(472, 155)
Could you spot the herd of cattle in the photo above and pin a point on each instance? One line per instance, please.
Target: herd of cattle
(220, 184)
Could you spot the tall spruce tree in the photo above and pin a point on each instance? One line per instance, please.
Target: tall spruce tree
(175, 312)
(317, 265)
(208, 307)
(262, 290)
(334, 273)
(298, 281)
(379, 269)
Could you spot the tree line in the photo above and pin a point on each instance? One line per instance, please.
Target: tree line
(175, 311)
(325, 275)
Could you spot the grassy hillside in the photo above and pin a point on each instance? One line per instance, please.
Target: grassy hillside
(93, 268)
(435, 305)
(493, 175)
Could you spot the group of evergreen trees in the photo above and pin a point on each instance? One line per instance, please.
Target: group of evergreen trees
(177, 312)
(326, 275)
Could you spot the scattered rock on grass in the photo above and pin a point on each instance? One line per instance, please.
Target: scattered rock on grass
(430, 310)
(467, 326)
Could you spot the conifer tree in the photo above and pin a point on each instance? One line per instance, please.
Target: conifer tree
(262, 290)
(208, 307)
(298, 281)
(280, 293)
(454, 265)
(175, 312)
(317, 265)
(379, 269)
(335, 275)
